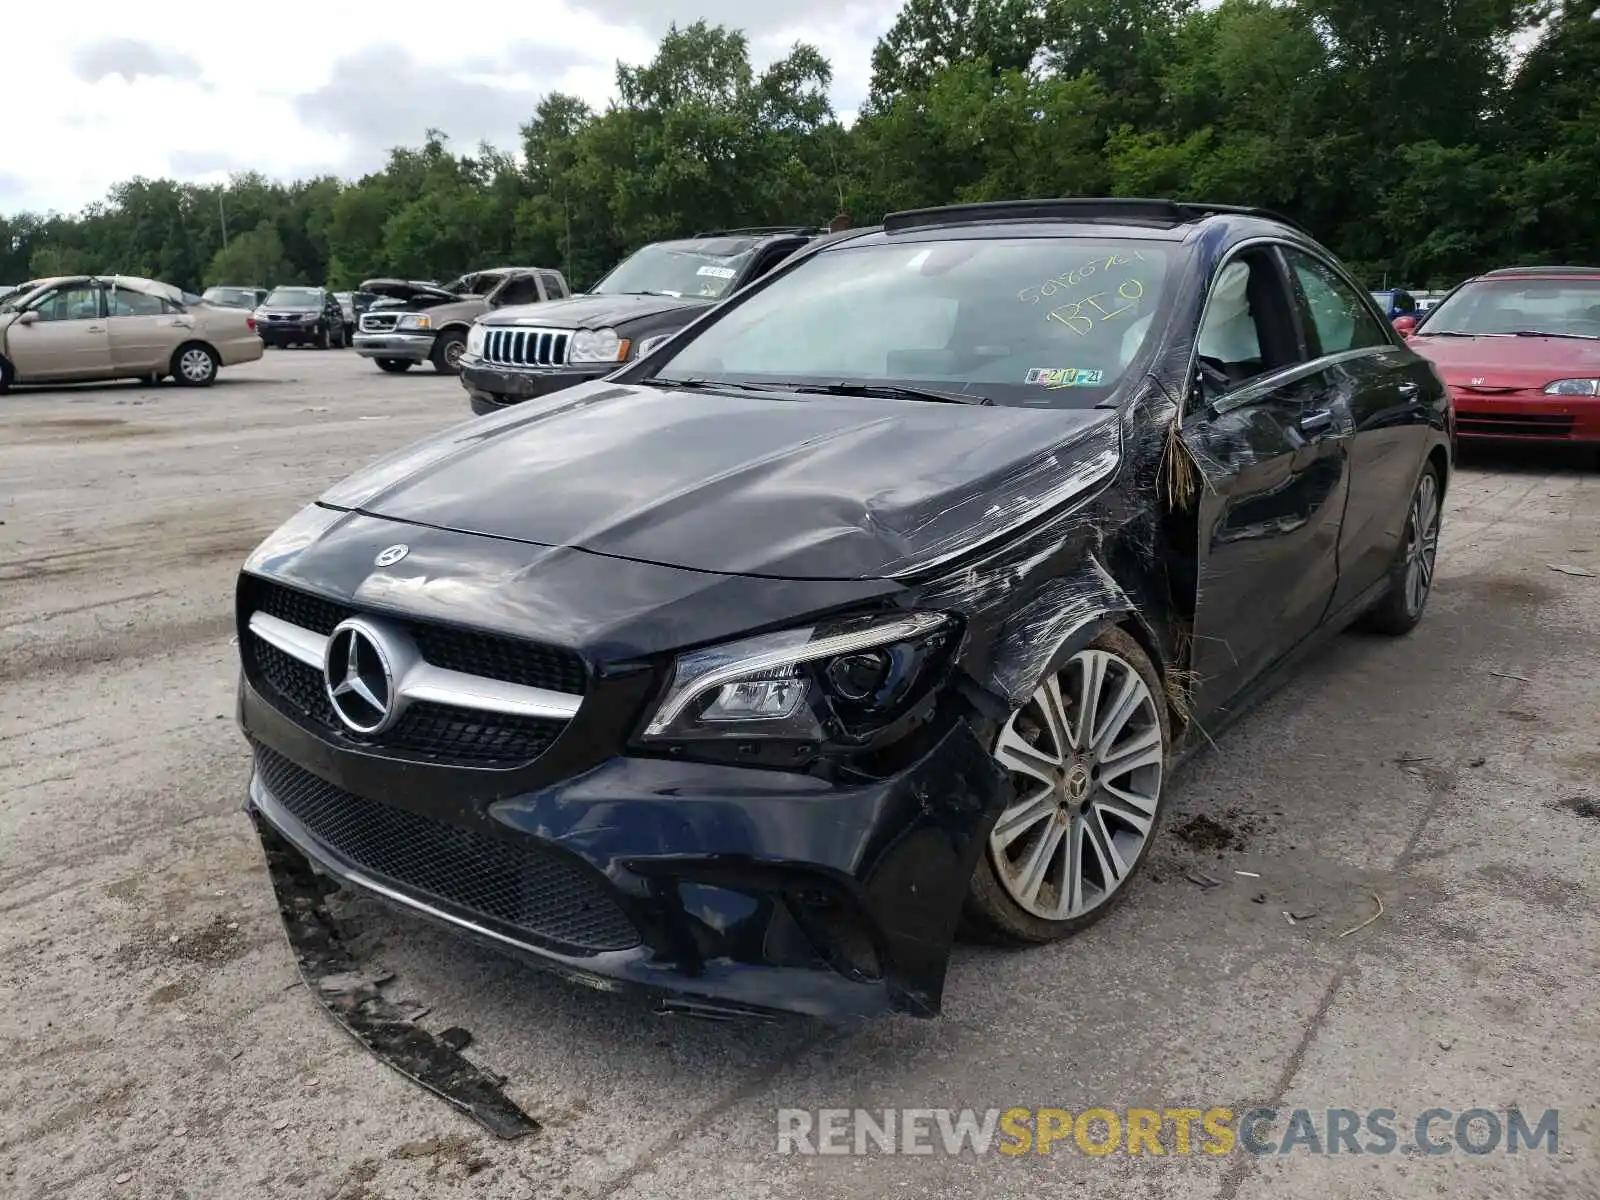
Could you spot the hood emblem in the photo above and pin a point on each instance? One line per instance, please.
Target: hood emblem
(1477, 381)
(359, 679)
(390, 555)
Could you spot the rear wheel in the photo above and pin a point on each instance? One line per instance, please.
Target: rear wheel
(395, 366)
(447, 351)
(194, 365)
(1411, 577)
(1087, 757)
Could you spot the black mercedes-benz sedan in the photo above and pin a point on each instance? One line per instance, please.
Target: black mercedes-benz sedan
(885, 597)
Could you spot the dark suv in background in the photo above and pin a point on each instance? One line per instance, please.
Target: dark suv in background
(519, 351)
(302, 316)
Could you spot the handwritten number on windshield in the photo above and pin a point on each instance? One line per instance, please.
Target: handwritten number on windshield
(1081, 315)
(1078, 275)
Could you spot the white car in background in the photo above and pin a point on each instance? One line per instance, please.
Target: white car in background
(79, 328)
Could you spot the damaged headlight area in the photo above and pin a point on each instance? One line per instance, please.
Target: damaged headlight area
(852, 684)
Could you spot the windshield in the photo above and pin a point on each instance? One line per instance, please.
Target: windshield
(295, 297)
(230, 297)
(1559, 307)
(705, 267)
(1027, 321)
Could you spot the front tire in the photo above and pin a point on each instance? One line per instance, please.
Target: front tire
(194, 365)
(395, 366)
(1087, 755)
(323, 341)
(1411, 577)
(447, 351)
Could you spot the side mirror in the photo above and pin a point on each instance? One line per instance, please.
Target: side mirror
(1405, 325)
(28, 318)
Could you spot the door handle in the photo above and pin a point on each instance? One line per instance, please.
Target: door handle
(1316, 422)
(95, 329)
(1408, 390)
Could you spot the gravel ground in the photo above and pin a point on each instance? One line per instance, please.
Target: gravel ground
(154, 1043)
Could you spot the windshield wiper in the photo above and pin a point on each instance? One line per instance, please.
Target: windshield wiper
(890, 391)
(714, 385)
(1582, 337)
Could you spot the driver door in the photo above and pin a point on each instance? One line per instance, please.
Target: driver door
(1272, 438)
(66, 338)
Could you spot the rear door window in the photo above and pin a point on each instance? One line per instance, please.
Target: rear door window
(554, 287)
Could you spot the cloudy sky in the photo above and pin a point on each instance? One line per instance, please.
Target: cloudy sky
(195, 92)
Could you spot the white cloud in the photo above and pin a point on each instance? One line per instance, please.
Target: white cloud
(129, 95)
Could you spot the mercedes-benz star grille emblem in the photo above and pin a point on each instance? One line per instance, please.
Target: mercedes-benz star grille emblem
(359, 676)
(390, 555)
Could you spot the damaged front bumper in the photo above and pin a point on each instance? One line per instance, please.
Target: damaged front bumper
(493, 388)
(720, 891)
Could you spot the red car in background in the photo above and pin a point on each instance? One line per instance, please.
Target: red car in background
(1519, 349)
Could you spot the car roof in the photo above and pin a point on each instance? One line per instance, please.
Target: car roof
(1536, 272)
(1087, 210)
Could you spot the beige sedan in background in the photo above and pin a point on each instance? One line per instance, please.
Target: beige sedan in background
(87, 327)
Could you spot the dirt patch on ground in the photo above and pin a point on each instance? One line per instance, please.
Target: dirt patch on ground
(1587, 761)
(1501, 589)
(1587, 807)
(171, 993)
(445, 1151)
(1227, 831)
(73, 429)
(1516, 714)
(1551, 891)
(211, 945)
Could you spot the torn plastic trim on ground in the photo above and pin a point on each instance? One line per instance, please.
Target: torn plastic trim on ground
(332, 975)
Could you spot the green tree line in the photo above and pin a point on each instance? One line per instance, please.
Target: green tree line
(1422, 140)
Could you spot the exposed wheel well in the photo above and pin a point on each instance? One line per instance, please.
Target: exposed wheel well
(7, 374)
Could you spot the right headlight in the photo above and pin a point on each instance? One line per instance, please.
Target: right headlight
(1573, 387)
(836, 680)
(597, 346)
(476, 336)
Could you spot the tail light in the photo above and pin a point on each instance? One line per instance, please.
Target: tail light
(250, 324)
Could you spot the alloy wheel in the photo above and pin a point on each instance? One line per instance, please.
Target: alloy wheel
(1422, 543)
(453, 351)
(195, 364)
(1087, 757)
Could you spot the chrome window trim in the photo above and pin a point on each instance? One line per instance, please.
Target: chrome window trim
(422, 681)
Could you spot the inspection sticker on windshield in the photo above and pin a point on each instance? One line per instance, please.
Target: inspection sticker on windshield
(716, 272)
(1063, 377)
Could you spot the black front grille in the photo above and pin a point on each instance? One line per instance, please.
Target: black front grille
(493, 656)
(434, 732)
(1513, 424)
(525, 885)
(431, 732)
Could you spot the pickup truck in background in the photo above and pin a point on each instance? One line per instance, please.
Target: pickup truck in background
(414, 322)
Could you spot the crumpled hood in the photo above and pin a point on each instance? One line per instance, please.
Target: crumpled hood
(790, 486)
(591, 312)
(1510, 361)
